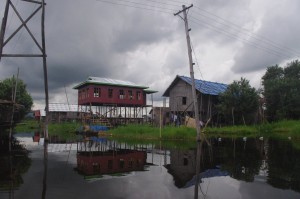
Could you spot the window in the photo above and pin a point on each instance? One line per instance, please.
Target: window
(130, 94)
(83, 94)
(110, 164)
(110, 93)
(138, 94)
(183, 100)
(87, 93)
(130, 163)
(96, 167)
(122, 164)
(121, 94)
(185, 161)
(97, 92)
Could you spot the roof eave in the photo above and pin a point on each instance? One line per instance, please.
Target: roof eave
(108, 84)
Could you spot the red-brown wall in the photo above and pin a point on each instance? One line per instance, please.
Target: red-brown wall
(99, 164)
(85, 98)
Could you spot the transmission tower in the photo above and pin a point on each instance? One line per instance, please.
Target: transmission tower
(5, 39)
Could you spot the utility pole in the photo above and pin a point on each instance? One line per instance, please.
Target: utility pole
(42, 47)
(195, 100)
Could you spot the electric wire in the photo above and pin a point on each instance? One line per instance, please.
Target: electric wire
(146, 7)
(198, 66)
(239, 28)
(163, 3)
(258, 43)
(229, 34)
(242, 31)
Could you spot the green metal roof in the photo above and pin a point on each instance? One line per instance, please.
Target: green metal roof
(150, 91)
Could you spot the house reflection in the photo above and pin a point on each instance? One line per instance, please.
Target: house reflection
(182, 166)
(99, 157)
(226, 158)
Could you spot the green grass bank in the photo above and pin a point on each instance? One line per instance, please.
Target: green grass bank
(147, 132)
(65, 130)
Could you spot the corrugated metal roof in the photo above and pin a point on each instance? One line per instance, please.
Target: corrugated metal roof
(57, 107)
(108, 81)
(206, 87)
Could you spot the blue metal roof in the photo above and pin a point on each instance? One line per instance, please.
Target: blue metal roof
(206, 87)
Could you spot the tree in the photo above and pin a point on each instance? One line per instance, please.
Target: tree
(22, 96)
(282, 91)
(239, 102)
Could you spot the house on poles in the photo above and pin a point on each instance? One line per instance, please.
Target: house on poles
(180, 97)
(116, 100)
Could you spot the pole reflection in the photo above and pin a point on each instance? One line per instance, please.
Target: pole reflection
(45, 169)
(198, 160)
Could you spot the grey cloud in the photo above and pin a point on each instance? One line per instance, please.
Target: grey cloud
(277, 41)
(86, 38)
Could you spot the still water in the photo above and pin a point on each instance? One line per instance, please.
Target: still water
(99, 168)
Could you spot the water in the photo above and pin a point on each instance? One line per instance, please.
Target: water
(99, 168)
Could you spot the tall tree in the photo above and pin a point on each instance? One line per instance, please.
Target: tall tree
(22, 96)
(239, 102)
(282, 91)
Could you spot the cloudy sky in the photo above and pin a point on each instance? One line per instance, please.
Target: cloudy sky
(143, 42)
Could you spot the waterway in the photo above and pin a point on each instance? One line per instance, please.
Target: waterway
(230, 168)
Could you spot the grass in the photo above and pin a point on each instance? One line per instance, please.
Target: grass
(280, 129)
(138, 131)
(147, 132)
(65, 130)
(28, 126)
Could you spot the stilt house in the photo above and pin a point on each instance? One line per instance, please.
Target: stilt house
(112, 98)
(181, 98)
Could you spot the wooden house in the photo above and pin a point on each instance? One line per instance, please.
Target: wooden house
(114, 98)
(181, 99)
(6, 107)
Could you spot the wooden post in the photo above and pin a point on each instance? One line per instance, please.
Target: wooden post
(194, 97)
(191, 69)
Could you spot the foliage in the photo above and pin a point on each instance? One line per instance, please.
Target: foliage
(239, 102)
(22, 96)
(282, 91)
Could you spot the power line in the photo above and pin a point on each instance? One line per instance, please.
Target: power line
(271, 51)
(196, 59)
(145, 7)
(257, 37)
(263, 44)
(162, 3)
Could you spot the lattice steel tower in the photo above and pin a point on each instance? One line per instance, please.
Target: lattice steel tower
(5, 39)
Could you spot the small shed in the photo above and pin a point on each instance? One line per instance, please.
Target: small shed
(59, 112)
(181, 99)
